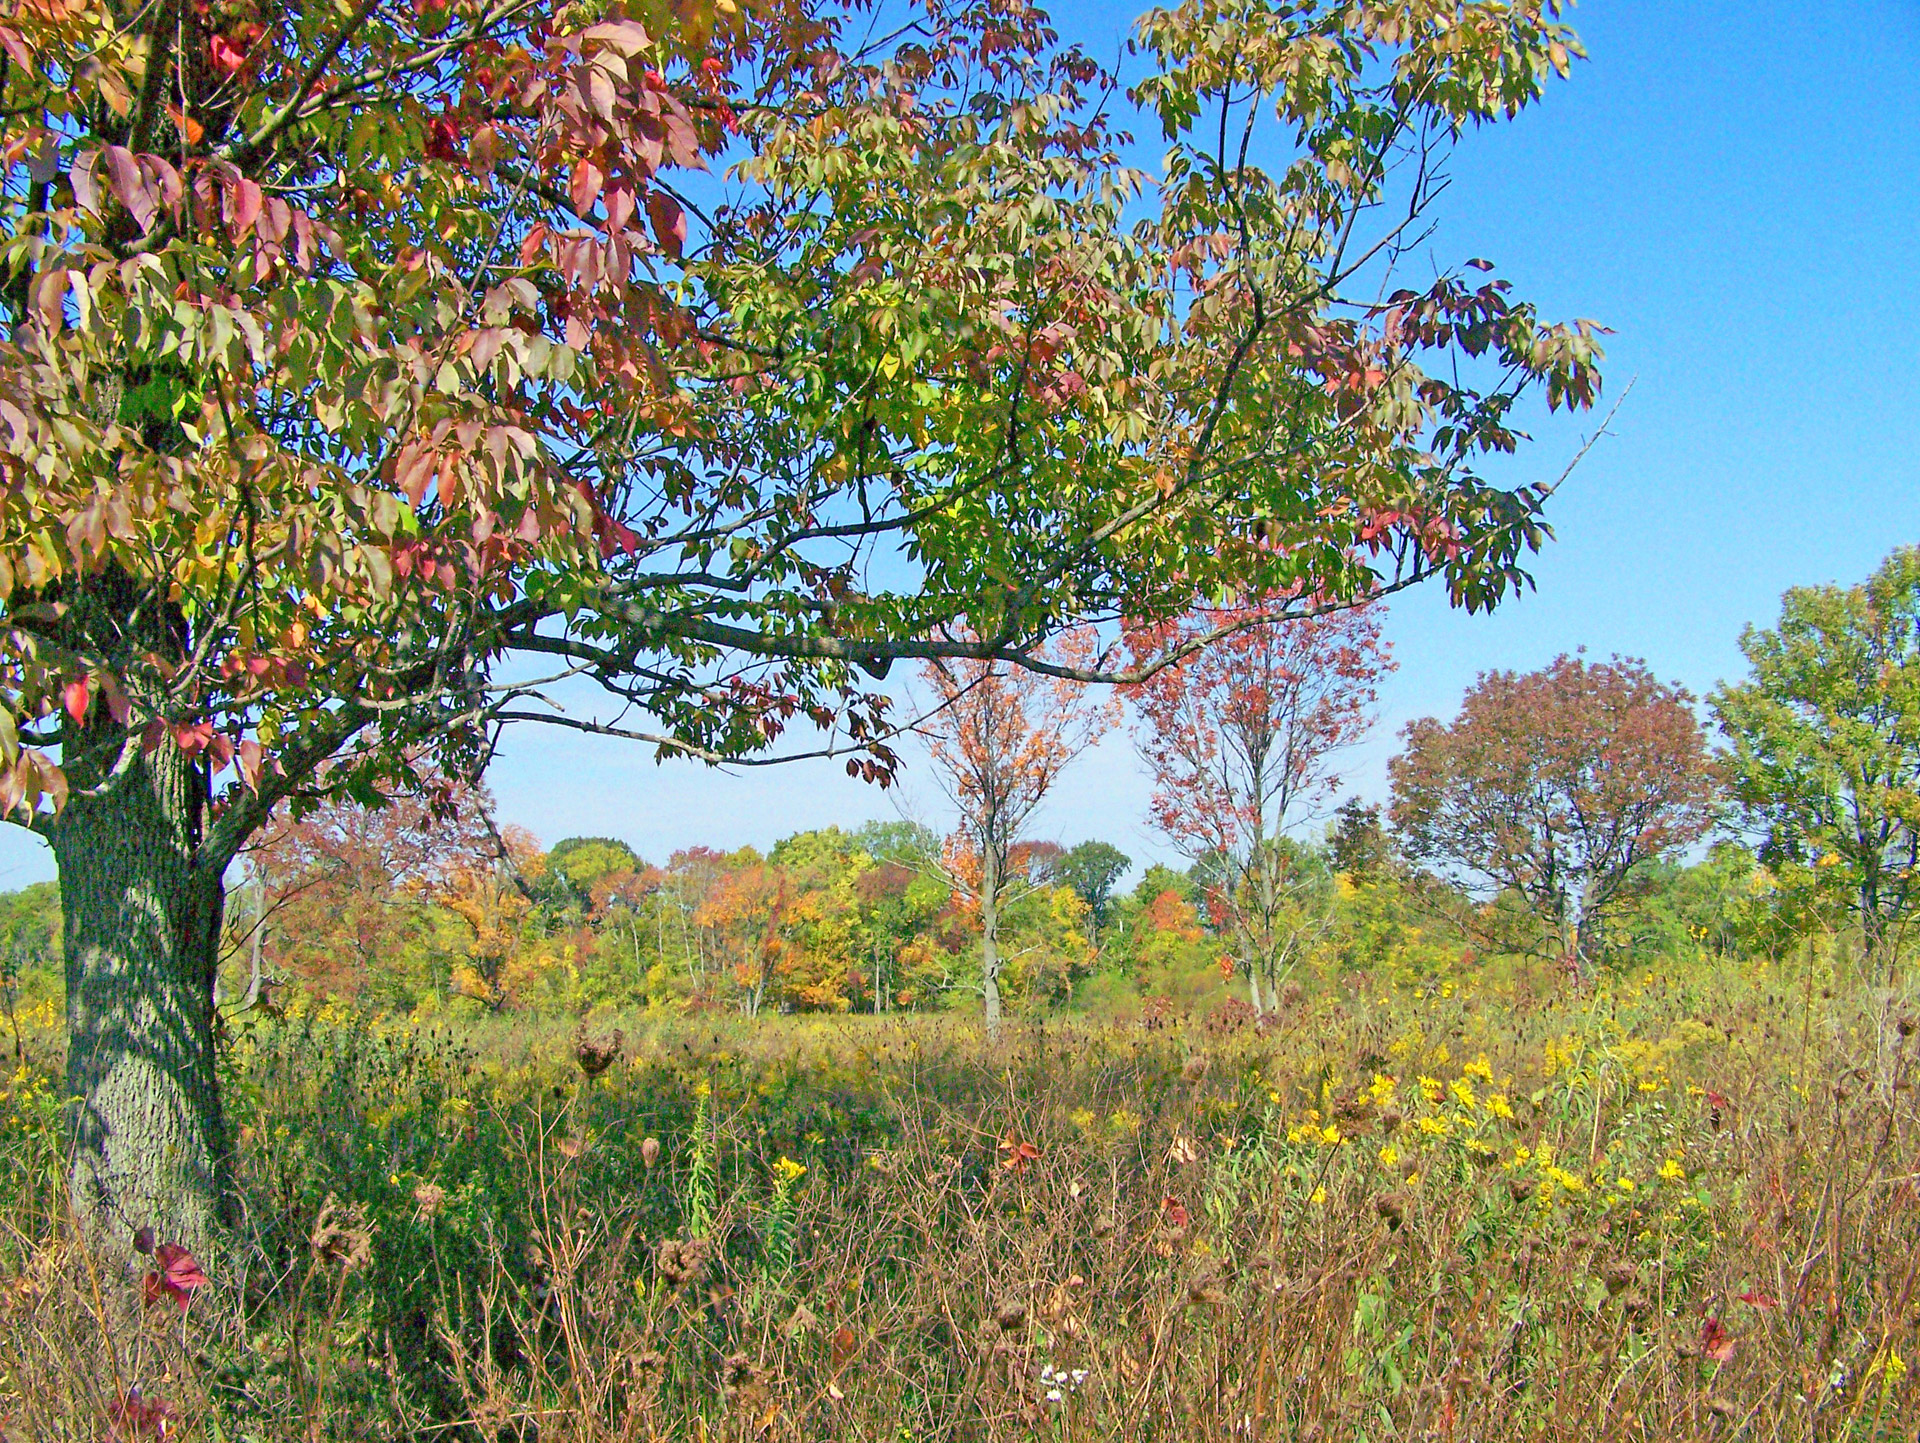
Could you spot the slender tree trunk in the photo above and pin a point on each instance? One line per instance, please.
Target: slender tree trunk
(141, 920)
(1874, 941)
(990, 938)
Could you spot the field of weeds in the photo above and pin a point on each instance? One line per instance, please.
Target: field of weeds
(1657, 1209)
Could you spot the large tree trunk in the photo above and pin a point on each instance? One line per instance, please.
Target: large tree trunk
(142, 930)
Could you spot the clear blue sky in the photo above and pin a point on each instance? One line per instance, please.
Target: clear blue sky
(1734, 188)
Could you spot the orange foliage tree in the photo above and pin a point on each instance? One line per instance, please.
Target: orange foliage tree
(745, 908)
(1000, 738)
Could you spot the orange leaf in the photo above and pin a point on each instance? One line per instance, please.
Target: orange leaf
(191, 130)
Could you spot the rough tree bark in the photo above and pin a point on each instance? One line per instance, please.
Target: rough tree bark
(141, 900)
(142, 929)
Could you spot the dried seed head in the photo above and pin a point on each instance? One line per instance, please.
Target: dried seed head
(682, 1261)
(743, 1383)
(429, 1198)
(341, 1235)
(1390, 1119)
(1010, 1312)
(1207, 1284)
(1195, 1067)
(1391, 1206)
(650, 1151)
(595, 1055)
(1620, 1277)
(143, 1242)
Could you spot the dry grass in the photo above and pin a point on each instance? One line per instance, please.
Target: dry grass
(1669, 1210)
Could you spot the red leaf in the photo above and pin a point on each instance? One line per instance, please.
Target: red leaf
(118, 707)
(229, 52)
(191, 130)
(1177, 1214)
(86, 193)
(1755, 1298)
(76, 695)
(11, 42)
(585, 188)
(1715, 1342)
(130, 186)
(1018, 1154)
(178, 1277)
(443, 139)
(192, 737)
(243, 206)
(132, 1416)
(669, 222)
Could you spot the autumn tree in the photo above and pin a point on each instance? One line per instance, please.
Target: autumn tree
(1560, 786)
(999, 738)
(340, 892)
(362, 360)
(745, 910)
(492, 897)
(1241, 740)
(1825, 745)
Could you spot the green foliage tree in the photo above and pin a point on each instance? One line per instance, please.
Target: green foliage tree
(1356, 840)
(362, 360)
(584, 863)
(1824, 756)
(1092, 869)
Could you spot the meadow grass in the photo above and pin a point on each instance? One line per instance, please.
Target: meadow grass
(1660, 1207)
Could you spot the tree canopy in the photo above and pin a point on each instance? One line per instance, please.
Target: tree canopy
(1825, 742)
(375, 373)
(1560, 785)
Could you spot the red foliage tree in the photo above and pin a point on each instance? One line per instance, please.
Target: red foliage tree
(335, 890)
(1000, 739)
(1241, 740)
(1560, 784)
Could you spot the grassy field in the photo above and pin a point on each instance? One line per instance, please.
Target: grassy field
(1661, 1208)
